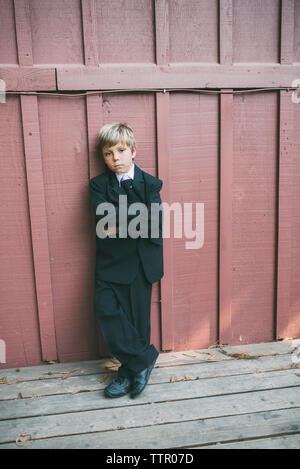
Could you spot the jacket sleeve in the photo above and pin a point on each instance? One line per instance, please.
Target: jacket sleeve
(157, 222)
(97, 193)
(153, 204)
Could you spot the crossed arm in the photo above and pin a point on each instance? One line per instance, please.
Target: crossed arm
(99, 196)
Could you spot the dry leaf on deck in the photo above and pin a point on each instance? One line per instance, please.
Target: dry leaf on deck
(68, 373)
(84, 390)
(22, 438)
(239, 354)
(4, 381)
(103, 378)
(112, 365)
(211, 357)
(172, 379)
(115, 360)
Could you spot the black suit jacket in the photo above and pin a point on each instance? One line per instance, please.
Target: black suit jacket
(116, 257)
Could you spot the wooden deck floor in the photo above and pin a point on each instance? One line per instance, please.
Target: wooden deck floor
(209, 398)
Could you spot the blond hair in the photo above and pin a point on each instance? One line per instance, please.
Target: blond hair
(111, 134)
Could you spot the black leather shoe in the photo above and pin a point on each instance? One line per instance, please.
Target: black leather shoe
(119, 387)
(140, 380)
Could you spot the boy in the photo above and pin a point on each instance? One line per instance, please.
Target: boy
(126, 265)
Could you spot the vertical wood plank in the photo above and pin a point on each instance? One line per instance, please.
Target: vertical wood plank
(162, 32)
(39, 230)
(89, 26)
(94, 124)
(96, 166)
(162, 115)
(162, 120)
(225, 264)
(35, 185)
(285, 214)
(225, 35)
(287, 32)
(94, 116)
(23, 32)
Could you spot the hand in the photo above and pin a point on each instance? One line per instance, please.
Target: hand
(109, 231)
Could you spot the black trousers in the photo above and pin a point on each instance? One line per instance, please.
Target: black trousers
(123, 315)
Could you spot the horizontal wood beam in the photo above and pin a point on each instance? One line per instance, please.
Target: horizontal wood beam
(179, 75)
(148, 76)
(28, 78)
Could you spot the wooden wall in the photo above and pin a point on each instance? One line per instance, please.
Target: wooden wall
(237, 153)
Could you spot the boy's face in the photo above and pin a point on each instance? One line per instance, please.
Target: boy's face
(119, 157)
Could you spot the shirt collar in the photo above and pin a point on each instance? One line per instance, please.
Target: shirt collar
(130, 173)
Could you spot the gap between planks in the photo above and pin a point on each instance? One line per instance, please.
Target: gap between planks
(95, 382)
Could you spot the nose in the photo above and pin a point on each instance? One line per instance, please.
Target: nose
(116, 156)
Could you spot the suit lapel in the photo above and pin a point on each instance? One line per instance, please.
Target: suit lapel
(114, 190)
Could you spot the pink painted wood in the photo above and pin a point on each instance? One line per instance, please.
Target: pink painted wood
(288, 298)
(193, 148)
(19, 324)
(64, 140)
(254, 214)
(164, 172)
(237, 154)
(39, 228)
(226, 246)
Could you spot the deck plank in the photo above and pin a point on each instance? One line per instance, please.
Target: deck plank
(207, 398)
(159, 392)
(188, 357)
(192, 434)
(148, 414)
(277, 442)
(97, 381)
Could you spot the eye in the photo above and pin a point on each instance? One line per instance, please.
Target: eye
(107, 153)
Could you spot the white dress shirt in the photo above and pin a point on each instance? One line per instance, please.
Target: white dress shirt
(128, 175)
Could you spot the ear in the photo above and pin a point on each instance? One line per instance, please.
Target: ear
(133, 152)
